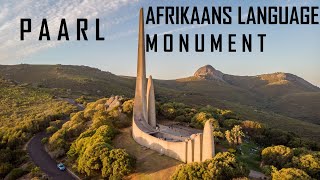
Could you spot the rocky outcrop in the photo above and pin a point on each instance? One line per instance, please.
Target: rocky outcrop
(286, 78)
(113, 102)
(209, 73)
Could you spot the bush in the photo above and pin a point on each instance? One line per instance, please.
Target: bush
(253, 128)
(229, 123)
(222, 166)
(267, 170)
(173, 110)
(234, 137)
(181, 118)
(117, 163)
(93, 152)
(127, 107)
(16, 173)
(81, 100)
(56, 123)
(36, 172)
(290, 174)
(200, 119)
(277, 156)
(5, 168)
(51, 129)
(44, 140)
(310, 163)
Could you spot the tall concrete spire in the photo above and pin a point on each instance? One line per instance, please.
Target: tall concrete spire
(140, 94)
(151, 106)
(208, 142)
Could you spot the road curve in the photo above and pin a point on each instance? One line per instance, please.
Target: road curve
(42, 159)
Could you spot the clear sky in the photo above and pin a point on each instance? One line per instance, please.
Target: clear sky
(288, 48)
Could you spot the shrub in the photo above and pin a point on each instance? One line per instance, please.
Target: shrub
(222, 166)
(310, 163)
(200, 119)
(117, 163)
(173, 110)
(127, 107)
(267, 170)
(56, 123)
(44, 140)
(16, 173)
(36, 172)
(290, 174)
(234, 137)
(181, 118)
(5, 168)
(229, 123)
(51, 129)
(253, 128)
(81, 100)
(93, 152)
(277, 156)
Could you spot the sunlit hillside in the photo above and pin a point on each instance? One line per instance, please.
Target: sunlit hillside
(279, 99)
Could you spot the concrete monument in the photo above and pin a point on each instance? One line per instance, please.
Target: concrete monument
(177, 143)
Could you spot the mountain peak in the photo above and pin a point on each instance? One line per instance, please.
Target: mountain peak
(209, 73)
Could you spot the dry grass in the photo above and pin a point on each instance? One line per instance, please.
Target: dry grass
(149, 163)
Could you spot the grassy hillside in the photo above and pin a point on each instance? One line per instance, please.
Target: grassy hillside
(24, 111)
(303, 106)
(73, 80)
(279, 99)
(19, 104)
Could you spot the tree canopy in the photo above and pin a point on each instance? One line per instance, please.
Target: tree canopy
(223, 166)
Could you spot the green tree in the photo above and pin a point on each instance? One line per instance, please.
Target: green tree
(116, 164)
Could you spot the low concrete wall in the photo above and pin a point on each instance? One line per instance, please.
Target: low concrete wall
(176, 150)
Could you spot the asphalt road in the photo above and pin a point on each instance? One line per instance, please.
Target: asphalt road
(42, 159)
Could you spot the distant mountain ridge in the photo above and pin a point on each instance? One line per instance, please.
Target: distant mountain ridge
(207, 72)
(280, 100)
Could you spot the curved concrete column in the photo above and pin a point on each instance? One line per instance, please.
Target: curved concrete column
(208, 141)
(151, 104)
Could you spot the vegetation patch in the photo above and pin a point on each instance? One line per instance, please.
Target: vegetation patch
(24, 111)
(223, 166)
(87, 139)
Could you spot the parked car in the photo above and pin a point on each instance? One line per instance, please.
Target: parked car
(61, 167)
